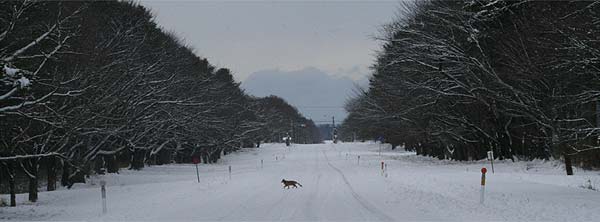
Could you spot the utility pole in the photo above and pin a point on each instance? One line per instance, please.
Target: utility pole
(332, 126)
(333, 130)
(292, 130)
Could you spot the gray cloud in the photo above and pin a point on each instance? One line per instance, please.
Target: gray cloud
(248, 36)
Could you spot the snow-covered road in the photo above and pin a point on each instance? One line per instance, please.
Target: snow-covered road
(335, 186)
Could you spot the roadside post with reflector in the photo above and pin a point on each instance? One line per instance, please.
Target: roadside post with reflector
(196, 161)
(490, 155)
(483, 171)
(103, 191)
(385, 169)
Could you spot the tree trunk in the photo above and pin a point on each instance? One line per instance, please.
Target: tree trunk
(205, 158)
(78, 177)
(33, 181)
(131, 159)
(112, 165)
(11, 183)
(51, 166)
(64, 179)
(214, 157)
(33, 191)
(2, 176)
(137, 160)
(598, 113)
(568, 165)
(2, 167)
(98, 165)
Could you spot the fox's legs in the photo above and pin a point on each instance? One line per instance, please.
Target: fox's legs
(288, 186)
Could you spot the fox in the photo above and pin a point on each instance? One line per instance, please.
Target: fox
(289, 183)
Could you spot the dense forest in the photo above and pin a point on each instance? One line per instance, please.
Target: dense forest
(92, 87)
(456, 79)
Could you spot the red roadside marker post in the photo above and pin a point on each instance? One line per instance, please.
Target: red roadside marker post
(196, 161)
(483, 171)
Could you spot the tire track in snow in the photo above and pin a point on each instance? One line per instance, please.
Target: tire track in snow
(310, 206)
(260, 190)
(357, 197)
(306, 210)
(242, 205)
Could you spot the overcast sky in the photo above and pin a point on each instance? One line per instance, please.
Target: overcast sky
(249, 36)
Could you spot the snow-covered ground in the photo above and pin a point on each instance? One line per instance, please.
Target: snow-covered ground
(336, 186)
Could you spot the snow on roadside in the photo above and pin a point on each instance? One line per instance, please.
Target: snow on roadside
(523, 190)
(335, 187)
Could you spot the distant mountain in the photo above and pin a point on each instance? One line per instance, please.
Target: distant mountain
(315, 93)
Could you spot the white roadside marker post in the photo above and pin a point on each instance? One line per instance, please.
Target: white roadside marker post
(358, 163)
(483, 171)
(103, 191)
(261, 164)
(385, 169)
(197, 173)
(196, 160)
(491, 158)
(230, 172)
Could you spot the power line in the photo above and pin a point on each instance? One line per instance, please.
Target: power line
(322, 121)
(322, 107)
